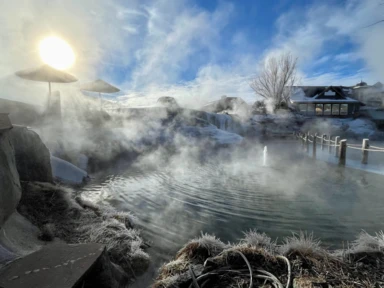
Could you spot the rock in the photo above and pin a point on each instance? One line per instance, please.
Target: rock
(20, 113)
(20, 236)
(32, 156)
(10, 190)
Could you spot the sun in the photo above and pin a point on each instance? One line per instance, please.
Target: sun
(56, 53)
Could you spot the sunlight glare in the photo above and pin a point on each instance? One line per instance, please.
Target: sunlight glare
(56, 53)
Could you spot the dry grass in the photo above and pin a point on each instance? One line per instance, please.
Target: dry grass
(368, 243)
(57, 214)
(225, 266)
(302, 243)
(258, 239)
(201, 248)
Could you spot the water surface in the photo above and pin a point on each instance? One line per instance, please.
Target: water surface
(176, 198)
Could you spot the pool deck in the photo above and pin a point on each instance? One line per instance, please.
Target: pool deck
(54, 266)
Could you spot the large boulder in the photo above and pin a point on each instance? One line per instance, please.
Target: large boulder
(10, 190)
(33, 160)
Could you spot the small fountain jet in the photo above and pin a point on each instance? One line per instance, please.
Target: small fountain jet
(265, 156)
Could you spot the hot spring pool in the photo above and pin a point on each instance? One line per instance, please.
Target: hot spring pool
(176, 198)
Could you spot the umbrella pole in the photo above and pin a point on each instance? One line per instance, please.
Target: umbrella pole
(101, 102)
(49, 95)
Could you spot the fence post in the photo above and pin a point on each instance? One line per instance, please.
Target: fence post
(322, 141)
(314, 146)
(302, 140)
(337, 141)
(365, 152)
(343, 152)
(307, 142)
(329, 144)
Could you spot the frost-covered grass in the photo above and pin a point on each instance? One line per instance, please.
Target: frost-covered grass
(368, 243)
(204, 246)
(304, 243)
(259, 239)
(211, 243)
(300, 257)
(57, 214)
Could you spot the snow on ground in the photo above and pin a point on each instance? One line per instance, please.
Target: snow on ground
(347, 127)
(282, 123)
(212, 133)
(363, 127)
(67, 172)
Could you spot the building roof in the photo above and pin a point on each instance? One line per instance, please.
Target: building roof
(378, 85)
(361, 84)
(322, 94)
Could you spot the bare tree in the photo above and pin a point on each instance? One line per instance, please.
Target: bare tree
(274, 82)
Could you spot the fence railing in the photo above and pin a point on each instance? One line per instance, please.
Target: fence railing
(340, 146)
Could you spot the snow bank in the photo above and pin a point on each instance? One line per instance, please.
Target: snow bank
(67, 172)
(350, 128)
(212, 133)
(280, 124)
(361, 127)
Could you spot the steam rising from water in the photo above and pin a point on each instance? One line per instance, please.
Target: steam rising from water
(176, 197)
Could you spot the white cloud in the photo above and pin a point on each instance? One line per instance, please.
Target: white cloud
(348, 57)
(322, 60)
(158, 42)
(309, 37)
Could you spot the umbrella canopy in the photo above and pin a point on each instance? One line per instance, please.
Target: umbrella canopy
(99, 86)
(46, 73)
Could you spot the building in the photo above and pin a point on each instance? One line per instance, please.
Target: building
(371, 95)
(325, 101)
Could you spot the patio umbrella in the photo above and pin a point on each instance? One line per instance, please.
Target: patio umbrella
(48, 74)
(99, 86)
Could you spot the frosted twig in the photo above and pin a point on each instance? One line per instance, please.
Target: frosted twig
(289, 269)
(194, 281)
(249, 268)
(271, 277)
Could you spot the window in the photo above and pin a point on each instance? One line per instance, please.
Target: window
(327, 109)
(311, 109)
(319, 109)
(344, 109)
(329, 93)
(303, 108)
(335, 109)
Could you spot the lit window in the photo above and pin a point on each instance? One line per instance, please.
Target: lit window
(319, 109)
(344, 109)
(335, 109)
(327, 109)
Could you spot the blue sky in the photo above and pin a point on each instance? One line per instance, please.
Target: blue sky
(198, 50)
